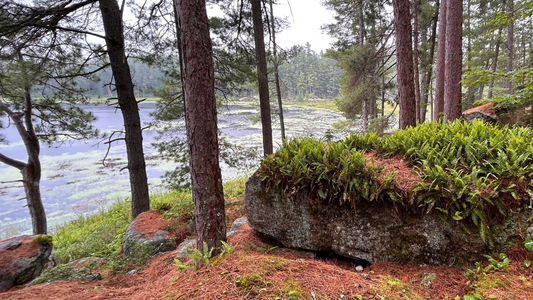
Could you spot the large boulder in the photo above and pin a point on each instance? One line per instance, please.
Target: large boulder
(488, 113)
(22, 259)
(374, 231)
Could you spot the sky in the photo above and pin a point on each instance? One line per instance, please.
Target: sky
(307, 18)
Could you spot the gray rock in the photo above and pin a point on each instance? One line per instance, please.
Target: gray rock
(428, 279)
(82, 270)
(235, 226)
(21, 260)
(134, 241)
(9, 245)
(185, 248)
(373, 231)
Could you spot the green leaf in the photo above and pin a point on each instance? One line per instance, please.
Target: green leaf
(527, 263)
(468, 297)
(457, 217)
(529, 245)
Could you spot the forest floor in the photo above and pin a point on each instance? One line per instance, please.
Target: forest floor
(259, 268)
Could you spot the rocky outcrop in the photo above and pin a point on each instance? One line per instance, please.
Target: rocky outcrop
(21, 260)
(488, 113)
(373, 231)
(83, 270)
(148, 232)
(485, 112)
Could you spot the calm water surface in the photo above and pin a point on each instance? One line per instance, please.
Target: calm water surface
(75, 182)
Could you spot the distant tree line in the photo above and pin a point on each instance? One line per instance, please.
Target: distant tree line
(306, 73)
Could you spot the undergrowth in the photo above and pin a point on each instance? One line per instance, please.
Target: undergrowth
(100, 235)
(474, 172)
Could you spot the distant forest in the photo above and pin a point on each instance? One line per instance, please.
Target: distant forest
(305, 75)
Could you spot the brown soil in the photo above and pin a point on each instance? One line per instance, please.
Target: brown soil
(406, 178)
(27, 248)
(252, 272)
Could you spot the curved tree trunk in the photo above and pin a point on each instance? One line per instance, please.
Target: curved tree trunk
(112, 19)
(198, 83)
(31, 171)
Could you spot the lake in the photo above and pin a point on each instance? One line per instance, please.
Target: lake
(75, 182)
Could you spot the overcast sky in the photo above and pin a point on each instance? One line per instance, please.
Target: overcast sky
(308, 16)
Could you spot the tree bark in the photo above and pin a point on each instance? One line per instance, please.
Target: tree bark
(495, 60)
(198, 85)
(404, 64)
(262, 77)
(415, 61)
(454, 60)
(276, 71)
(31, 170)
(429, 71)
(510, 44)
(438, 109)
(112, 20)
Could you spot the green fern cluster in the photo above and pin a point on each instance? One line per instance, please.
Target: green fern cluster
(466, 170)
(330, 170)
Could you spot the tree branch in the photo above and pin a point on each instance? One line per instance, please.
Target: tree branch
(12, 162)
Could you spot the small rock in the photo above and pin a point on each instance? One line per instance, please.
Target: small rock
(185, 248)
(133, 271)
(529, 233)
(11, 245)
(428, 279)
(359, 268)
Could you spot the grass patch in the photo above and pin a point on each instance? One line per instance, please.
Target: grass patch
(394, 289)
(96, 235)
(100, 235)
(235, 188)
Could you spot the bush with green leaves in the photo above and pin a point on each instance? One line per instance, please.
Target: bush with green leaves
(467, 171)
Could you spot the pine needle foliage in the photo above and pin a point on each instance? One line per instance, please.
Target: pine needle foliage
(471, 172)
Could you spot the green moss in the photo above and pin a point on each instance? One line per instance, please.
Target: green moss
(392, 288)
(292, 290)
(252, 283)
(43, 239)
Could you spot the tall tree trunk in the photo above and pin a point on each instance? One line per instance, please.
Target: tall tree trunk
(112, 20)
(415, 61)
(510, 44)
(454, 60)
(198, 83)
(262, 77)
(429, 65)
(404, 63)
(438, 109)
(495, 60)
(276, 71)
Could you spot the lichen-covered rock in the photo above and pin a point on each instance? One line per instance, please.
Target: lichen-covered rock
(83, 269)
(374, 231)
(485, 112)
(149, 232)
(21, 260)
(160, 241)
